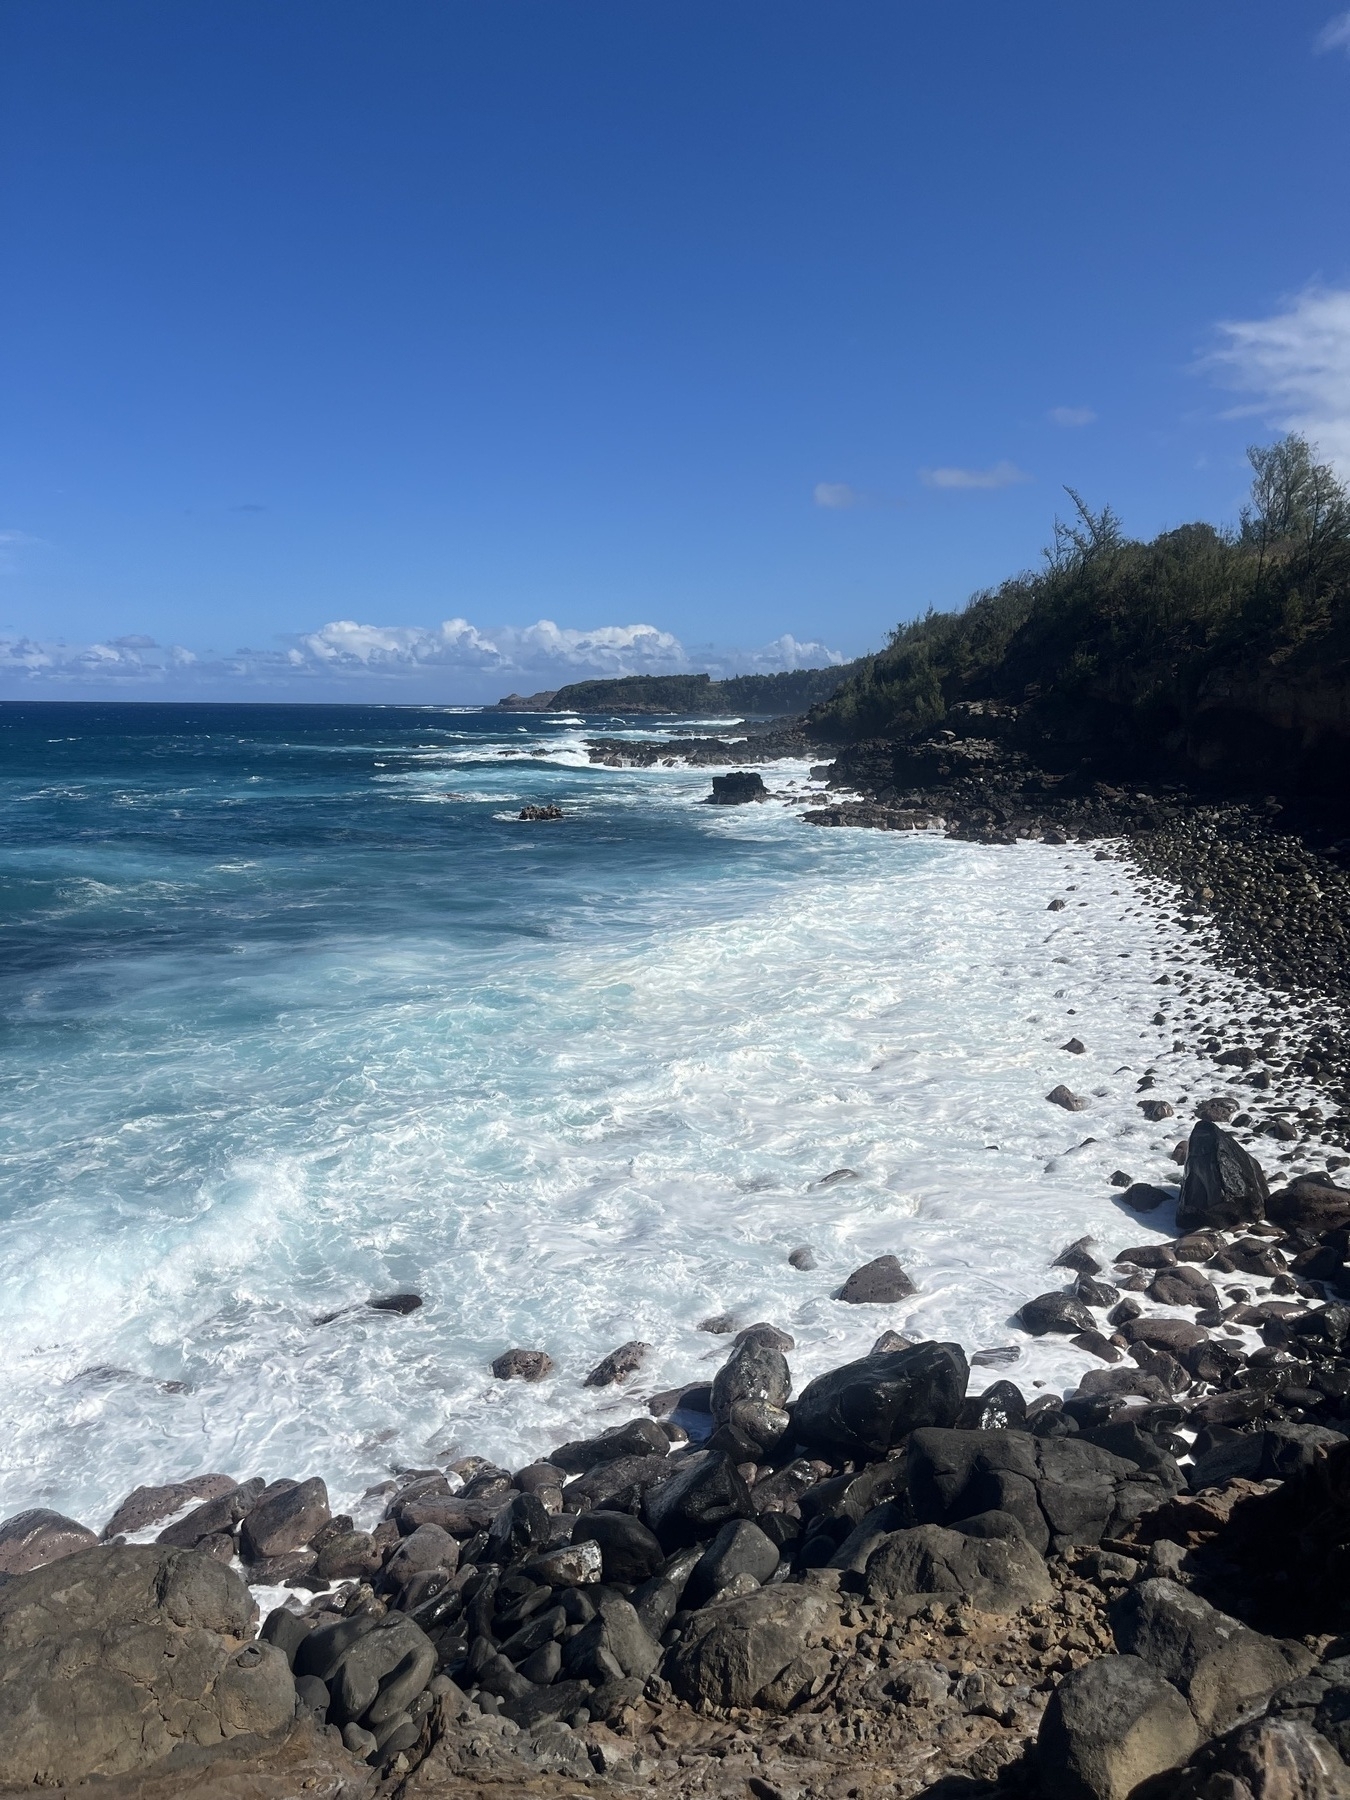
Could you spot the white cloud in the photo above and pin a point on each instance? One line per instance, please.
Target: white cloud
(1297, 365)
(837, 495)
(1003, 474)
(348, 659)
(1072, 415)
(1334, 35)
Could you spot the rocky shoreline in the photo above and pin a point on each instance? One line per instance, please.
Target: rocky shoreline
(879, 1588)
(884, 1586)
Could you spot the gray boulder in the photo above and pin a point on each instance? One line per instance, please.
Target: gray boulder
(1062, 1491)
(613, 1645)
(382, 1673)
(283, 1518)
(148, 1505)
(1110, 1726)
(733, 1650)
(864, 1407)
(1222, 1186)
(219, 1514)
(623, 1361)
(1221, 1666)
(1267, 1759)
(114, 1656)
(996, 1574)
(750, 1391)
(879, 1283)
(740, 1548)
(37, 1536)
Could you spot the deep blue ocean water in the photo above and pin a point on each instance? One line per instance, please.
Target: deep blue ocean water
(295, 1012)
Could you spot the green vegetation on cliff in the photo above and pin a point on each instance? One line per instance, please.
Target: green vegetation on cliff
(696, 696)
(1211, 646)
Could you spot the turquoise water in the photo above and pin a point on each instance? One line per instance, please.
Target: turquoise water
(295, 1012)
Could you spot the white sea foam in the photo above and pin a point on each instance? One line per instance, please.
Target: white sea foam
(606, 1133)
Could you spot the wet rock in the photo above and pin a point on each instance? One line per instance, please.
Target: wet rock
(522, 1525)
(863, 1408)
(617, 1485)
(571, 1565)
(1095, 1293)
(719, 1325)
(213, 1517)
(348, 1556)
(750, 1390)
(630, 1552)
(892, 1340)
(1155, 1111)
(522, 1365)
(1309, 1205)
(638, 1437)
(1182, 1286)
(402, 1304)
(693, 1503)
(1075, 1047)
(996, 1574)
(282, 1519)
(1078, 1256)
(1223, 1186)
(803, 1258)
(734, 1650)
(1055, 1312)
(618, 1364)
(111, 1657)
(1000, 1356)
(1144, 1197)
(880, 1282)
(539, 815)
(836, 1176)
(1173, 1335)
(1220, 1665)
(148, 1505)
(736, 788)
(1109, 1726)
(30, 1539)
(1065, 1097)
(1001, 1407)
(1217, 1111)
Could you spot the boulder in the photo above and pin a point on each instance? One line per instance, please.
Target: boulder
(996, 1574)
(148, 1505)
(863, 1408)
(629, 1551)
(749, 1393)
(692, 1504)
(732, 1651)
(113, 1656)
(639, 1437)
(1308, 1204)
(284, 1518)
(1055, 1312)
(617, 1486)
(571, 1565)
(737, 787)
(523, 1524)
(1065, 1097)
(613, 1645)
(219, 1514)
(1108, 1728)
(29, 1539)
(1267, 1759)
(349, 1556)
(1063, 1491)
(379, 1675)
(1001, 1407)
(880, 1282)
(1144, 1197)
(522, 1365)
(1222, 1186)
(623, 1361)
(740, 1548)
(1221, 1666)
(1078, 1256)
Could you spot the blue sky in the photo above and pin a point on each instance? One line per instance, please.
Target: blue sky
(344, 343)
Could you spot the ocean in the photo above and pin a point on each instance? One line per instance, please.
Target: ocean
(297, 1013)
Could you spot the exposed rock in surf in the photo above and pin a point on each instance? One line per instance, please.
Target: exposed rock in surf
(522, 1365)
(880, 1282)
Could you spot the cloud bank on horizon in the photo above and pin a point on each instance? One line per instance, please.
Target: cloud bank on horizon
(346, 659)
